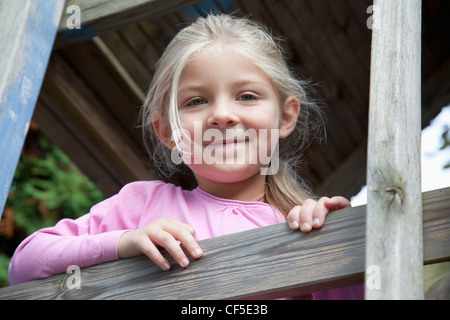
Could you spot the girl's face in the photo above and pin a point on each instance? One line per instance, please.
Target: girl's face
(231, 111)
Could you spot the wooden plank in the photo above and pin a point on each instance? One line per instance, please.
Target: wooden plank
(266, 262)
(357, 35)
(102, 16)
(317, 63)
(321, 163)
(91, 120)
(394, 207)
(85, 55)
(57, 128)
(324, 48)
(436, 237)
(138, 71)
(104, 75)
(341, 49)
(437, 281)
(27, 33)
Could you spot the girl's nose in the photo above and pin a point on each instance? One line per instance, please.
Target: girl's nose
(222, 115)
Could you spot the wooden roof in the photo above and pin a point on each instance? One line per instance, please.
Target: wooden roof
(94, 88)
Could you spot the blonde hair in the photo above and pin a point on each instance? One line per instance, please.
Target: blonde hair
(285, 189)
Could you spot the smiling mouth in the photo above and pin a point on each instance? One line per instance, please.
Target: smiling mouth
(227, 142)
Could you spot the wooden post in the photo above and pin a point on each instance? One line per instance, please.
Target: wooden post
(27, 33)
(394, 240)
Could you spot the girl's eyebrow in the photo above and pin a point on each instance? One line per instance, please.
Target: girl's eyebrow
(196, 86)
(191, 87)
(244, 82)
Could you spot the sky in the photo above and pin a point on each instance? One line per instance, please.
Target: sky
(434, 176)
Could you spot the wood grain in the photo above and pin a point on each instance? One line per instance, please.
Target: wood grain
(27, 32)
(266, 262)
(106, 139)
(102, 16)
(394, 205)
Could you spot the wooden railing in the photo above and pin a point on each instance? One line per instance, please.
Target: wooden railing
(267, 262)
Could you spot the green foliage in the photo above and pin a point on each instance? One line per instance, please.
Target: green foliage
(47, 189)
(4, 263)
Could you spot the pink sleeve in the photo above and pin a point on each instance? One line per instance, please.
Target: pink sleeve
(88, 240)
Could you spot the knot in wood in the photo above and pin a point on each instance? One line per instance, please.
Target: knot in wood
(397, 193)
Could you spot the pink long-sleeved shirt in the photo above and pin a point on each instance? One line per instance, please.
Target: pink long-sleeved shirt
(93, 238)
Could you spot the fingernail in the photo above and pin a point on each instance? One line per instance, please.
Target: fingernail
(166, 266)
(306, 226)
(198, 252)
(294, 224)
(184, 262)
(316, 222)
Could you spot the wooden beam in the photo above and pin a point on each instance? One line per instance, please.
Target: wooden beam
(70, 99)
(267, 262)
(101, 16)
(394, 207)
(27, 32)
(437, 281)
(55, 125)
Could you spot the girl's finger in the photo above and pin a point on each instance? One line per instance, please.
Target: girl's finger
(148, 248)
(306, 215)
(293, 218)
(336, 203)
(169, 233)
(186, 235)
(165, 223)
(168, 242)
(320, 212)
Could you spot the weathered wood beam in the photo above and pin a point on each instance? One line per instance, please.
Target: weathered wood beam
(394, 207)
(266, 262)
(27, 32)
(56, 125)
(88, 119)
(437, 281)
(101, 16)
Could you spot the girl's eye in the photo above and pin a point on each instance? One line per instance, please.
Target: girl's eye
(247, 97)
(196, 102)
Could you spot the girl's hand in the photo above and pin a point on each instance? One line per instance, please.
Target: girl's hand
(312, 214)
(164, 233)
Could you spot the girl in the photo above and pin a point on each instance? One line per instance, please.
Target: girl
(222, 101)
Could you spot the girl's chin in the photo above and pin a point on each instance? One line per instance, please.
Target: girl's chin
(225, 173)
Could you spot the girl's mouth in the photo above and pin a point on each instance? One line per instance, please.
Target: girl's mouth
(227, 142)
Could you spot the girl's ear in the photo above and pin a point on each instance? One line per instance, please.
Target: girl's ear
(289, 115)
(162, 129)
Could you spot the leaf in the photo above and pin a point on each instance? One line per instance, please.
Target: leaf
(48, 188)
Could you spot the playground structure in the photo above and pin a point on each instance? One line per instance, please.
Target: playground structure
(394, 215)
